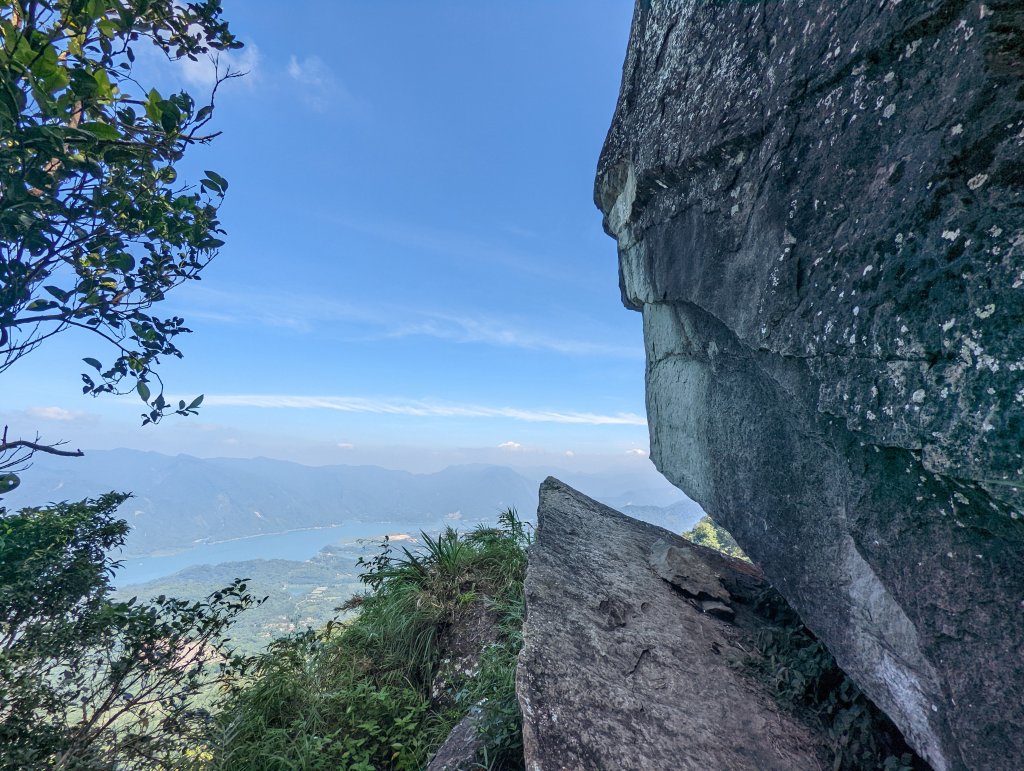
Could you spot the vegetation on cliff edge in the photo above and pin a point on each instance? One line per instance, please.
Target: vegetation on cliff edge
(383, 690)
(707, 533)
(88, 682)
(802, 674)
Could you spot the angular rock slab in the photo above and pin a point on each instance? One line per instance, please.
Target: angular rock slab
(462, 747)
(818, 211)
(620, 669)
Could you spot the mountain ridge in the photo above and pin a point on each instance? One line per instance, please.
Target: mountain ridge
(181, 500)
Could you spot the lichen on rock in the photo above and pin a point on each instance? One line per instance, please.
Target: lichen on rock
(817, 208)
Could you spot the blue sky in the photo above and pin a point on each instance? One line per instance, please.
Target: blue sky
(415, 273)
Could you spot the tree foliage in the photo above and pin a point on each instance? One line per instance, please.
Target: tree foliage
(95, 226)
(707, 533)
(87, 682)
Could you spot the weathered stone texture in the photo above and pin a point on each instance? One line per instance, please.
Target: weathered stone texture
(621, 667)
(819, 208)
(461, 750)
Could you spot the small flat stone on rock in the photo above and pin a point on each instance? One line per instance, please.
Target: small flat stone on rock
(719, 609)
(684, 569)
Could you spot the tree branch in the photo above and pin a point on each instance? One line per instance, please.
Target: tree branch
(35, 447)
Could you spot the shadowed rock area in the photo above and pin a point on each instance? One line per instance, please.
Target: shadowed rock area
(629, 659)
(818, 209)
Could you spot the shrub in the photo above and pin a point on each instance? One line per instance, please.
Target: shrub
(803, 674)
(89, 683)
(359, 694)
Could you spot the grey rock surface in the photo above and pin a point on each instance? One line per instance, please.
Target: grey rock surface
(461, 749)
(819, 209)
(621, 669)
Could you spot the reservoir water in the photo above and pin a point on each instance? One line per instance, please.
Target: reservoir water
(295, 545)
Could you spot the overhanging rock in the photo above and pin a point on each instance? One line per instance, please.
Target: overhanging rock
(818, 211)
(624, 664)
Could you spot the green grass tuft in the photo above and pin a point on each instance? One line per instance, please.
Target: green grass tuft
(359, 695)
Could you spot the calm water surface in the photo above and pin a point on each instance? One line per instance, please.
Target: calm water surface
(297, 545)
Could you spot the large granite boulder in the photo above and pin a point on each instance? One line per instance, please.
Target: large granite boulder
(634, 643)
(819, 208)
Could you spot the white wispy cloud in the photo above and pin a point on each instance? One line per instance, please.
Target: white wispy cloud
(499, 332)
(458, 246)
(318, 86)
(306, 314)
(510, 445)
(204, 71)
(54, 413)
(639, 452)
(416, 408)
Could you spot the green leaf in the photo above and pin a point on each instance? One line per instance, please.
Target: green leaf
(143, 390)
(8, 482)
(101, 130)
(92, 363)
(221, 182)
(154, 106)
(196, 402)
(169, 117)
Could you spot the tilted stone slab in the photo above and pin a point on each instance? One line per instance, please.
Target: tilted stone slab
(622, 669)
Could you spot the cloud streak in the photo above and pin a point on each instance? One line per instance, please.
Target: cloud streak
(422, 409)
(305, 314)
(317, 84)
(205, 70)
(465, 329)
(54, 413)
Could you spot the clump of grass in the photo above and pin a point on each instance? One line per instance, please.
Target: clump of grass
(803, 674)
(357, 695)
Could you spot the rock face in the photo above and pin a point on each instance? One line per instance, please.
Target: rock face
(461, 750)
(623, 668)
(819, 208)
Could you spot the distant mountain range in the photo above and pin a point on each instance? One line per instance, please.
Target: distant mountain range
(181, 500)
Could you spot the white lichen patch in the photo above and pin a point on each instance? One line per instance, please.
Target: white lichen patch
(951, 235)
(977, 181)
(984, 313)
(957, 129)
